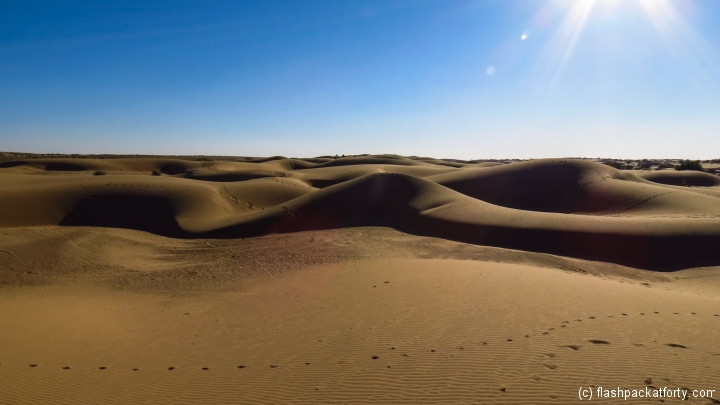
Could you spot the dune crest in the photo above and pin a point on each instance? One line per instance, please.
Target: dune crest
(567, 207)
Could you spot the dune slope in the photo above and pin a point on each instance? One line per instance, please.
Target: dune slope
(567, 207)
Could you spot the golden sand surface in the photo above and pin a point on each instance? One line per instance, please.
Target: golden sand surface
(359, 280)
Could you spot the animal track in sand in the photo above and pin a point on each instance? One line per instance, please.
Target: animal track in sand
(574, 347)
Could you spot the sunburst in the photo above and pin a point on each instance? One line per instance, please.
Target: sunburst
(699, 57)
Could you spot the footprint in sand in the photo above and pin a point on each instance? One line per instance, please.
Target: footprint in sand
(574, 347)
(33, 365)
(675, 345)
(550, 366)
(66, 368)
(599, 342)
(171, 368)
(241, 366)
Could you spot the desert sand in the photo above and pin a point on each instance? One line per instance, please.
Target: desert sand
(354, 280)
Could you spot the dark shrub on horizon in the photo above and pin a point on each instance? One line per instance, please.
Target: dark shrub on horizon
(99, 173)
(689, 165)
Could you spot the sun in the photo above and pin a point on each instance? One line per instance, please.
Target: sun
(678, 35)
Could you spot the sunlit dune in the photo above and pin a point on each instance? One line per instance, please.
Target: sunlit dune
(365, 279)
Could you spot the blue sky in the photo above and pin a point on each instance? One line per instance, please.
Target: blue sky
(453, 79)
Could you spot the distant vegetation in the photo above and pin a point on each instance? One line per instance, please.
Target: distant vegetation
(99, 173)
(689, 165)
(645, 164)
(615, 164)
(156, 172)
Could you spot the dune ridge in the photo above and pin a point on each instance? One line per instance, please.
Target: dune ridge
(567, 207)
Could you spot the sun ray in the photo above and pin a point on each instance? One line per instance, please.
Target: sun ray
(698, 56)
(563, 42)
(699, 59)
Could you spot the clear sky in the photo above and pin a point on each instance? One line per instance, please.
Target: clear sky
(445, 78)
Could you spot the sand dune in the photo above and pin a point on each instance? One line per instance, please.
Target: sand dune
(567, 207)
(363, 280)
(354, 315)
(687, 178)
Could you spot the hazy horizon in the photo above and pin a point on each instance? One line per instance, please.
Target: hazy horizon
(463, 79)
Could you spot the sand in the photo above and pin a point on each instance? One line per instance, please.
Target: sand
(359, 280)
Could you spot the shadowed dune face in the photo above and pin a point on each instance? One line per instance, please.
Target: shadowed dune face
(684, 178)
(146, 213)
(173, 168)
(64, 167)
(567, 207)
(564, 186)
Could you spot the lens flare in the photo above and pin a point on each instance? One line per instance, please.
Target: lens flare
(565, 39)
